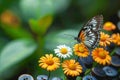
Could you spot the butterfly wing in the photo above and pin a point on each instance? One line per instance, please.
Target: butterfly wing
(90, 33)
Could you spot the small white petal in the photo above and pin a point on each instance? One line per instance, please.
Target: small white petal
(56, 50)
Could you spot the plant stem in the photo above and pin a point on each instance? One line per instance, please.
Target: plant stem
(61, 59)
(113, 51)
(49, 75)
(77, 58)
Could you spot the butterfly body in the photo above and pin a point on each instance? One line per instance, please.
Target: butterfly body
(90, 33)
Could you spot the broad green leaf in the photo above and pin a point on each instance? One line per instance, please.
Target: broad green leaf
(15, 52)
(16, 32)
(3, 42)
(36, 9)
(59, 38)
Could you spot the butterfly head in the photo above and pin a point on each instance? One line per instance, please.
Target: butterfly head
(78, 39)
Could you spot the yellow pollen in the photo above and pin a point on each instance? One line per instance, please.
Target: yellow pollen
(81, 49)
(63, 51)
(102, 55)
(109, 24)
(49, 62)
(72, 66)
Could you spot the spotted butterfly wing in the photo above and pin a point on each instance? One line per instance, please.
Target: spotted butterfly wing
(90, 33)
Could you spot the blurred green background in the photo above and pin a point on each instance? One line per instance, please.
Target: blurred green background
(32, 28)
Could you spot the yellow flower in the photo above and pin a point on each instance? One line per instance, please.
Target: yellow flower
(104, 39)
(49, 62)
(116, 38)
(108, 26)
(101, 56)
(81, 50)
(71, 68)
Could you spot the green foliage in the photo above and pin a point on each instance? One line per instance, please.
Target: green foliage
(60, 37)
(40, 8)
(36, 27)
(16, 51)
(16, 32)
(90, 7)
(40, 26)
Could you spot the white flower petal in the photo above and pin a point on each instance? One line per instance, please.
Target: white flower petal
(56, 50)
(59, 54)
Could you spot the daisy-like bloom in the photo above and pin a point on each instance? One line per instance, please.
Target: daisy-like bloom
(49, 62)
(71, 68)
(81, 50)
(63, 51)
(116, 38)
(108, 26)
(104, 39)
(101, 56)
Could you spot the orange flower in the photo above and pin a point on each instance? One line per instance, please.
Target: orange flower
(81, 50)
(116, 38)
(109, 26)
(104, 39)
(71, 68)
(101, 56)
(9, 18)
(49, 62)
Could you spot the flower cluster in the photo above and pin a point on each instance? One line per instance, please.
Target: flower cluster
(74, 60)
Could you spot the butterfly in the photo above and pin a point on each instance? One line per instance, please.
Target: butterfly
(90, 32)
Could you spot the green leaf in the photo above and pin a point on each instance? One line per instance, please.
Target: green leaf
(41, 26)
(87, 71)
(41, 8)
(59, 38)
(79, 78)
(18, 32)
(3, 42)
(15, 52)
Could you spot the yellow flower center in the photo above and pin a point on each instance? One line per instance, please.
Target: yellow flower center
(72, 66)
(102, 55)
(109, 24)
(81, 49)
(63, 51)
(49, 62)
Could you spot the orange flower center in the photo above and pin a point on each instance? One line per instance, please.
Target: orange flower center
(102, 55)
(63, 50)
(103, 38)
(49, 62)
(119, 40)
(81, 49)
(72, 66)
